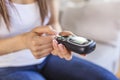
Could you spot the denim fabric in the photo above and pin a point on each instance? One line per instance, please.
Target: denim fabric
(54, 68)
(22, 73)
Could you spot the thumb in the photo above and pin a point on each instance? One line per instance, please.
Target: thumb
(66, 33)
(45, 29)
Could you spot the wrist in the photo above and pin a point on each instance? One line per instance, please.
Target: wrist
(57, 27)
(22, 41)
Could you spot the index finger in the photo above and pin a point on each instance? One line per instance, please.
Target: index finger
(45, 29)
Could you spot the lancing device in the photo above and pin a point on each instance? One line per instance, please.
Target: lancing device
(77, 44)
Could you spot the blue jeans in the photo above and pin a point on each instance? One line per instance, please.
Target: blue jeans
(54, 68)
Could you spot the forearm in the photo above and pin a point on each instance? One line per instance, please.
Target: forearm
(54, 9)
(11, 45)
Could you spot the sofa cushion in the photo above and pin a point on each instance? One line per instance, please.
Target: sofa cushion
(98, 21)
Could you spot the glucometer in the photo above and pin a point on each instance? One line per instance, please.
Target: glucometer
(77, 44)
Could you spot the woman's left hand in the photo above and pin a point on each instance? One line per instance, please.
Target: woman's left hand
(60, 50)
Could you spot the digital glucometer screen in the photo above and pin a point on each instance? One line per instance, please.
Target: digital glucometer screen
(78, 40)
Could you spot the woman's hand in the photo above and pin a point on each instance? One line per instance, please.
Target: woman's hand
(39, 45)
(60, 50)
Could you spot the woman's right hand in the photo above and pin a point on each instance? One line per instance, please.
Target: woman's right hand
(39, 45)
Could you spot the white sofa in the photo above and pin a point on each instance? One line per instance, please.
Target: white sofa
(100, 22)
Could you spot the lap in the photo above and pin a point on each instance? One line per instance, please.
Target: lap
(26, 75)
(19, 74)
(58, 69)
(76, 69)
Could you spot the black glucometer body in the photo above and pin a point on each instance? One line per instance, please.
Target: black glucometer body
(77, 44)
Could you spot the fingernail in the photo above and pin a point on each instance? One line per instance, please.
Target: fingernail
(55, 32)
(55, 41)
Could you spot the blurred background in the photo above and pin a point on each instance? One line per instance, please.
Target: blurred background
(98, 20)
